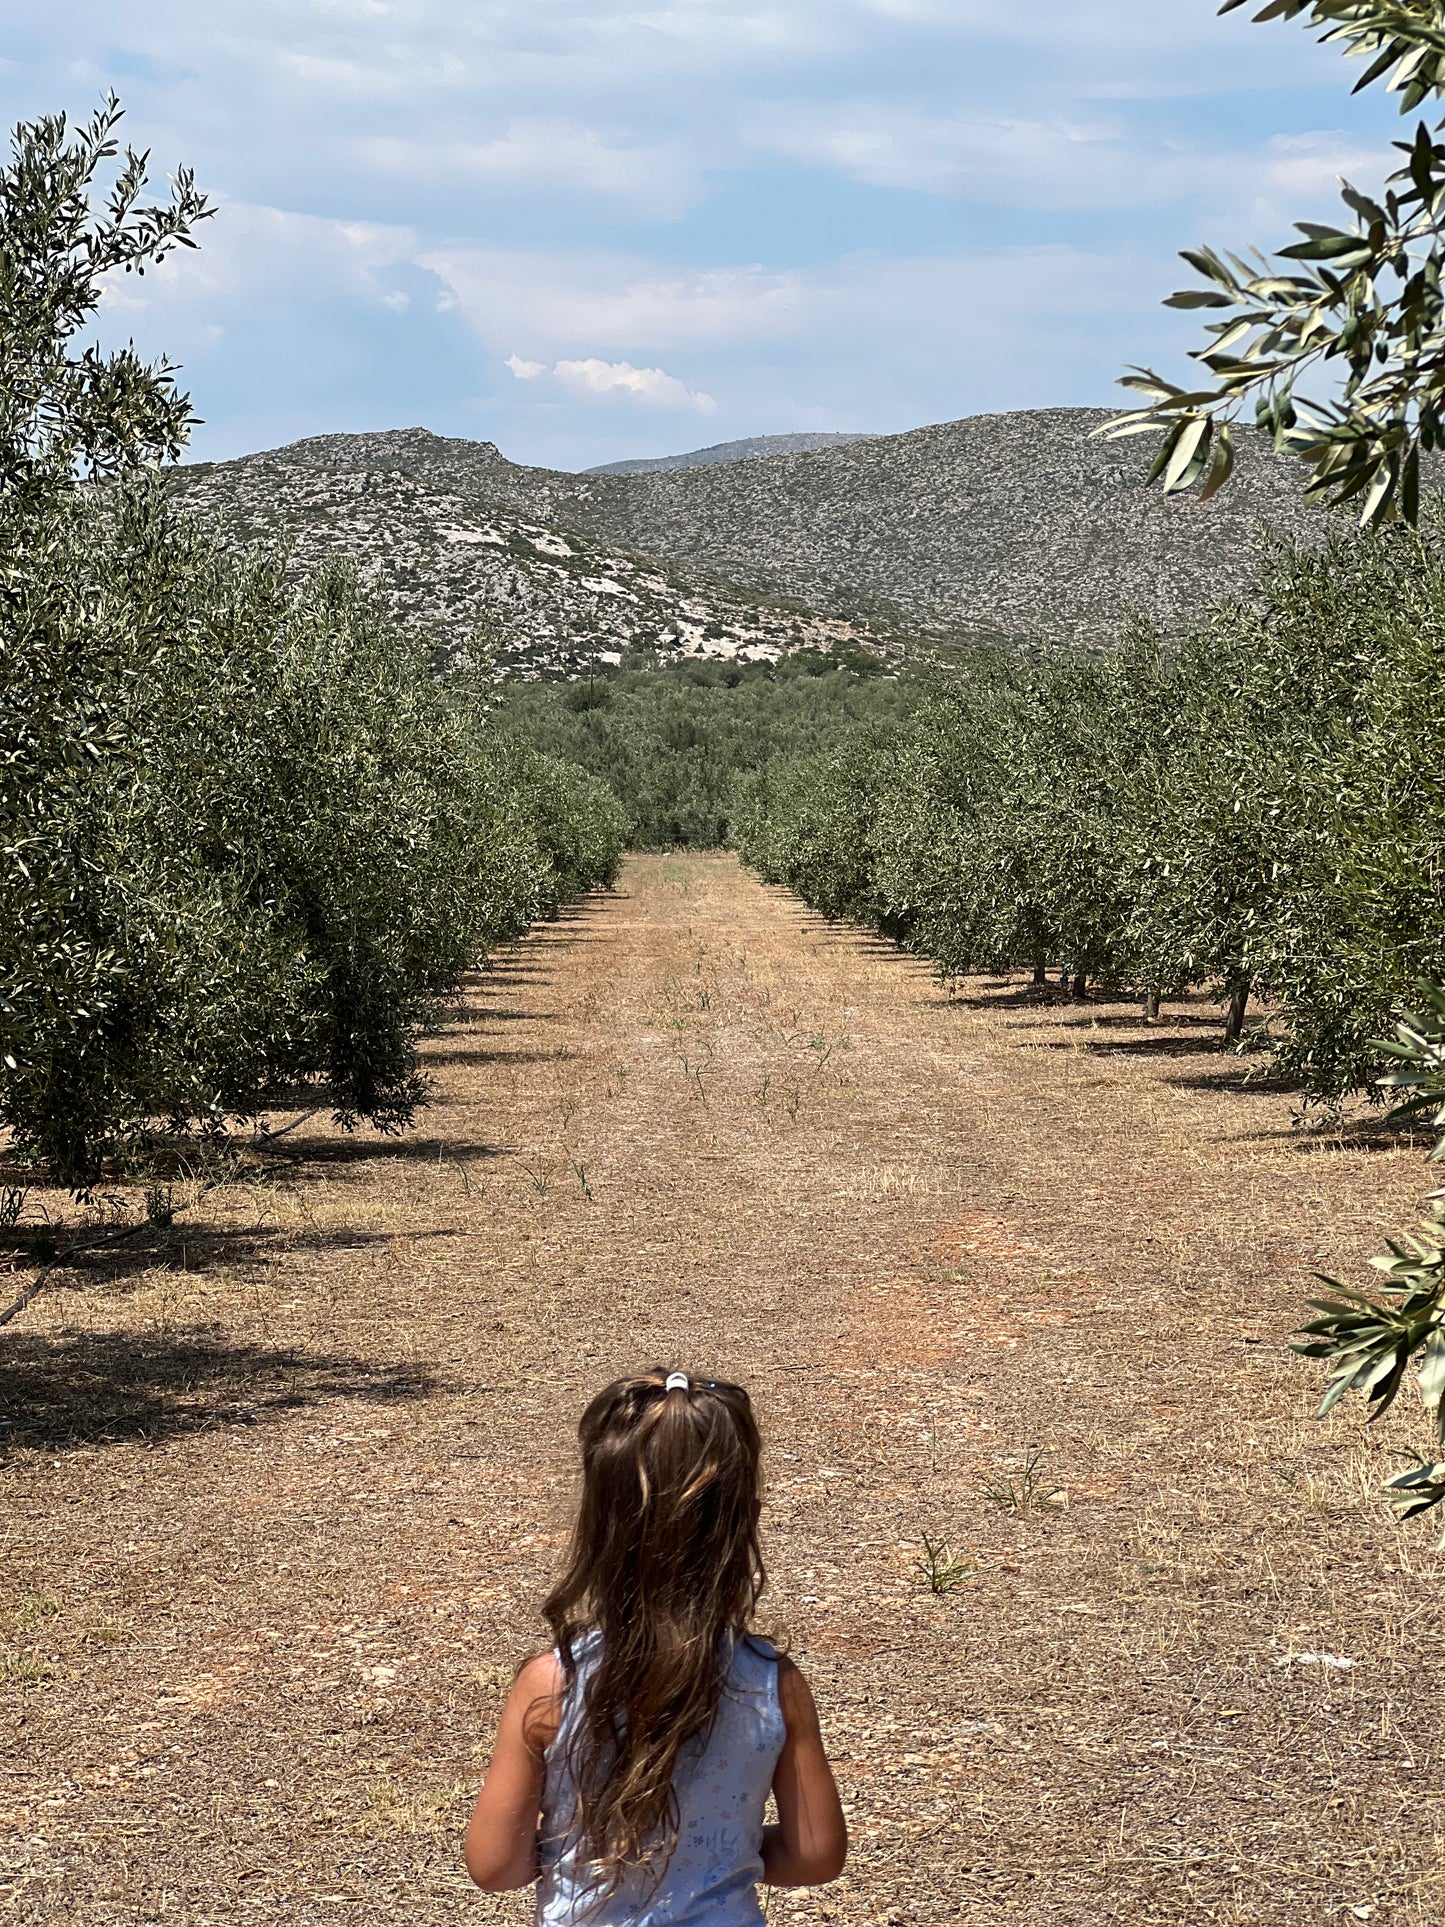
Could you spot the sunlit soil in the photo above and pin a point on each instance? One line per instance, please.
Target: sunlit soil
(1012, 1282)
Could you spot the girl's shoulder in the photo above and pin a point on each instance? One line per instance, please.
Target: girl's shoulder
(762, 1663)
(795, 1699)
(542, 1673)
(760, 1646)
(538, 1692)
(756, 1672)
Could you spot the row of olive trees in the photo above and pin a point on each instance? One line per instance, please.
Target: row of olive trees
(1356, 313)
(251, 841)
(248, 842)
(1258, 809)
(670, 739)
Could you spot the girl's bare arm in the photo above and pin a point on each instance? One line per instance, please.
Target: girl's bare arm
(501, 1843)
(810, 1842)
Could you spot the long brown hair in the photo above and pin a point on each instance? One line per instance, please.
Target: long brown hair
(665, 1566)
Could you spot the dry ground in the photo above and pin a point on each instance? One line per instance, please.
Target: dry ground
(282, 1486)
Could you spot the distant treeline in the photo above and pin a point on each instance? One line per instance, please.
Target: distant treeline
(1259, 808)
(248, 841)
(671, 741)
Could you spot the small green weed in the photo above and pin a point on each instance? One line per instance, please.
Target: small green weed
(160, 1206)
(24, 1669)
(34, 1609)
(943, 1568)
(107, 1634)
(1027, 1492)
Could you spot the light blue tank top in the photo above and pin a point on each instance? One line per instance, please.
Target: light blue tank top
(722, 1789)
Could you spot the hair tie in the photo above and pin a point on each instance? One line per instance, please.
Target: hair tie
(678, 1382)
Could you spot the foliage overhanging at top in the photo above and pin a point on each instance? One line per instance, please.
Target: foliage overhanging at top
(1359, 304)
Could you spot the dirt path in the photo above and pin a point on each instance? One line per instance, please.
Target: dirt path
(281, 1492)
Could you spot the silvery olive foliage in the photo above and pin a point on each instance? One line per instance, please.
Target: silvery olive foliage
(64, 407)
(1371, 1343)
(248, 840)
(1256, 809)
(1356, 308)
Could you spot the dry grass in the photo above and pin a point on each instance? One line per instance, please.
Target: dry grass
(284, 1482)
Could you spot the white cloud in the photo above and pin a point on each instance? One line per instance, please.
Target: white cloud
(399, 68)
(547, 154)
(1298, 173)
(1054, 163)
(246, 247)
(650, 385)
(355, 9)
(590, 179)
(1097, 166)
(614, 301)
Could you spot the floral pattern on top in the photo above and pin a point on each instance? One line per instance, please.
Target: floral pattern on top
(722, 1790)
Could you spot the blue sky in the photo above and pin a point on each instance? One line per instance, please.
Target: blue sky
(585, 229)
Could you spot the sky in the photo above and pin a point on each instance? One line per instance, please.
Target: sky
(591, 229)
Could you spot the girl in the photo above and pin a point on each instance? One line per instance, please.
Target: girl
(649, 1738)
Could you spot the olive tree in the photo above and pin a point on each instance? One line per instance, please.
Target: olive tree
(67, 410)
(249, 841)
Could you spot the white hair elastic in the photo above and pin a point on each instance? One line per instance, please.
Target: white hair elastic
(678, 1382)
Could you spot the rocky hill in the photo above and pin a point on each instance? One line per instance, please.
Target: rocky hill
(1011, 528)
(1014, 527)
(743, 451)
(443, 530)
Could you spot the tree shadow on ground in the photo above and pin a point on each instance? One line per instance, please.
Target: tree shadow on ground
(1237, 1076)
(1121, 1020)
(481, 1014)
(494, 1054)
(183, 1247)
(334, 1151)
(105, 1388)
(1147, 1046)
(1020, 997)
(563, 930)
(1371, 1134)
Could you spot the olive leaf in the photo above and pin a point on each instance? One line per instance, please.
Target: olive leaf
(1357, 305)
